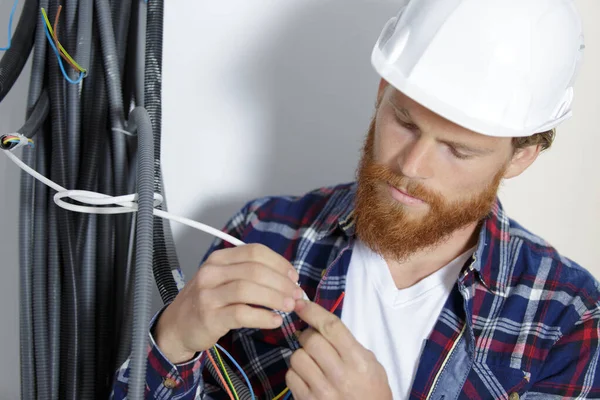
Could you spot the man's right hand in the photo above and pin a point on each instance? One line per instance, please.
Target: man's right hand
(219, 298)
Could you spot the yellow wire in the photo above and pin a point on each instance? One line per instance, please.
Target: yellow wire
(280, 395)
(60, 46)
(225, 372)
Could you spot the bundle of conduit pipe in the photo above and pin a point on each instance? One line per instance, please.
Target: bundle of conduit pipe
(86, 279)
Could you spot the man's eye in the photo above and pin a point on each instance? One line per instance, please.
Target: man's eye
(458, 154)
(408, 125)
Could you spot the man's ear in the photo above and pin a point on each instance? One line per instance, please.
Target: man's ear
(521, 160)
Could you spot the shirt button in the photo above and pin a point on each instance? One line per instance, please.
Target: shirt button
(514, 396)
(171, 383)
(323, 272)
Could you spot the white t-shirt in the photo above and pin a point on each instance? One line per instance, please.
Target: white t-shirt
(394, 323)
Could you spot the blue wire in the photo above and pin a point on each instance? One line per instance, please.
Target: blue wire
(62, 68)
(239, 369)
(10, 21)
(288, 395)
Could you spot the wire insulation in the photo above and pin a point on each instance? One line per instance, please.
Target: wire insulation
(47, 29)
(10, 22)
(239, 369)
(226, 373)
(223, 383)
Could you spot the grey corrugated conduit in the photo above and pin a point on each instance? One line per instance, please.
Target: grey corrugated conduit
(11, 65)
(70, 346)
(40, 276)
(152, 100)
(86, 305)
(144, 235)
(37, 117)
(54, 303)
(106, 304)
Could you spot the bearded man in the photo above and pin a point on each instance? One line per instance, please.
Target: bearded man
(412, 282)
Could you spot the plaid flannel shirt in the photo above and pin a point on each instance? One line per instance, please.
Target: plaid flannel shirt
(522, 320)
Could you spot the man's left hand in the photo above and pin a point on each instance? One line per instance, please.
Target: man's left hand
(332, 364)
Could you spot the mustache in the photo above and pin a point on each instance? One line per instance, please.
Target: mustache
(382, 173)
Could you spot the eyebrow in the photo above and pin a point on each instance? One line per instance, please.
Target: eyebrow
(402, 110)
(456, 145)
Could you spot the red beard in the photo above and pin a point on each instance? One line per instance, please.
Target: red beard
(386, 227)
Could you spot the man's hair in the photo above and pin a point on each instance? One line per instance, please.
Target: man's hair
(543, 139)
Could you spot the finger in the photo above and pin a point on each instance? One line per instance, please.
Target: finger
(323, 353)
(308, 370)
(331, 327)
(253, 253)
(246, 292)
(243, 316)
(297, 386)
(212, 276)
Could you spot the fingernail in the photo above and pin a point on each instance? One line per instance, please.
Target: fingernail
(293, 274)
(300, 304)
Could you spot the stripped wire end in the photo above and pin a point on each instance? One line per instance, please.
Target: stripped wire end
(59, 50)
(13, 141)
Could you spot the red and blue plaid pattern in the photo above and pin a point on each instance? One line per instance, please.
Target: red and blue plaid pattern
(521, 319)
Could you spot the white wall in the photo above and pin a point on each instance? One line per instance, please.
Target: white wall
(272, 83)
(252, 89)
(12, 116)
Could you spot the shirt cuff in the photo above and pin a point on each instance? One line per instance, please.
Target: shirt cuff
(168, 380)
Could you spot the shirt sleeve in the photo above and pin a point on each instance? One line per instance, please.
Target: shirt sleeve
(164, 380)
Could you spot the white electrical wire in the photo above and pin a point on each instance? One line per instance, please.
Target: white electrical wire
(126, 204)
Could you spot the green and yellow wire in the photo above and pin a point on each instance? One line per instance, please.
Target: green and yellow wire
(226, 373)
(62, 50)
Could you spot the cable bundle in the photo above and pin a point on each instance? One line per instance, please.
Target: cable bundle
(82, 275)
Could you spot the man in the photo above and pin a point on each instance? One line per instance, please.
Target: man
(421, 287)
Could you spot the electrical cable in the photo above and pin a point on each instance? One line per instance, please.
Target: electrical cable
(58, 57)
(58, 47)
(10, 22)
(14, 59)
(282, 393)
(239, 369)
(223, 382)
(239, 385)
(224, 370)
(37, 117)
(125, 204)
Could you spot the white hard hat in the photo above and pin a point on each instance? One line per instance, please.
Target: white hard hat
(497, 67)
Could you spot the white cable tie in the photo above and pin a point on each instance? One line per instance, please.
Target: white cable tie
(123, 131)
